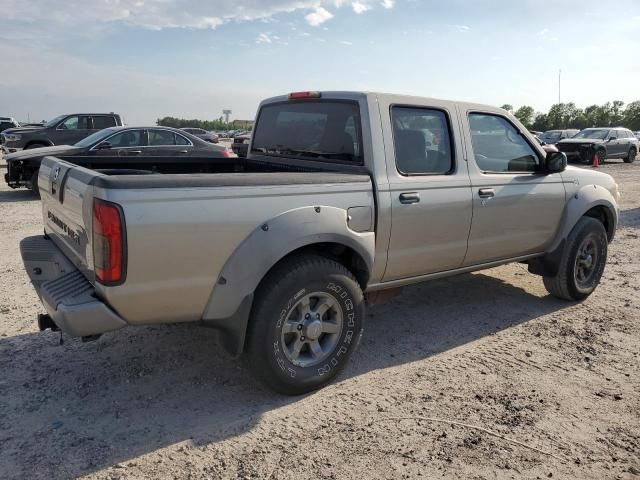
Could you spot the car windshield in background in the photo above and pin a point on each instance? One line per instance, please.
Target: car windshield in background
(54, 122)
(320, 130)
(597, 133)
(550, 137)
(96, 137)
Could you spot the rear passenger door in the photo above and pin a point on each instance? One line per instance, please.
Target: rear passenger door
(170, 151)
(516, 206)
(429, 188)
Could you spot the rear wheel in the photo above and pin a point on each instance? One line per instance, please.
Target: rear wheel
(582, 262)
(632, 155)
(306, 322)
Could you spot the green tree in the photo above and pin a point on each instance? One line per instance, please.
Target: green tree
(507, 107)
(526, 115)
(540, 122)
(631, 117)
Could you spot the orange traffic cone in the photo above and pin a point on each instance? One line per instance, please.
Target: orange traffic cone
(595, 161)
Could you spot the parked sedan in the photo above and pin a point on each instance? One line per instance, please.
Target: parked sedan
(552, 137)
(210, 137)
(156, 149)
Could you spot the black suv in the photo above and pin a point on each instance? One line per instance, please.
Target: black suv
(604, 142)
(62, 130)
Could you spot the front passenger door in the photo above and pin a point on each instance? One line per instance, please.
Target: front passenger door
(72, 130)
(517, 207)
(125, 150)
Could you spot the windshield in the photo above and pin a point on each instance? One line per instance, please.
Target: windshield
(551, 136)
(325, 130)
(597, 133)
(54, 122)
(95, 138)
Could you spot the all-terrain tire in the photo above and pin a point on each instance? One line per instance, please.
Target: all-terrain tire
(280, 300)
(631, 156)
(566, 284)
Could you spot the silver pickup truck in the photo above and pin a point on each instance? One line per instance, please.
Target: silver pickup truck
(342, 198)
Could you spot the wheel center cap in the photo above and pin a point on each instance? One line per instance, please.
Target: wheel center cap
(314, 329)
(588, 261)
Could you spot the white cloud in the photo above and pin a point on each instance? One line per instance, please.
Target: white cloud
(264, 38)
(318, 16)
(360, 7)
(460, 28)
(162, 14)
(345, 42)
(543, 32)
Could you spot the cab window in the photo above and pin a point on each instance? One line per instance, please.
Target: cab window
(499, 147)
(75, 123)
(130, 138)
(161, 138)
(422, 141)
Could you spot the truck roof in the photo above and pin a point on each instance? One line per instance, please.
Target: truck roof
(393, 97)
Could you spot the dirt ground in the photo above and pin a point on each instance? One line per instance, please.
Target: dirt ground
(489, 349)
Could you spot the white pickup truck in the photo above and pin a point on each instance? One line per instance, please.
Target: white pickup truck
(342, 195)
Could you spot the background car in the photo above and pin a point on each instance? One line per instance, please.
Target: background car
(240, 145)
(604, 142)
(210, 137)
(62, 130)
(155, 149)
(7, 122)
(552, 137)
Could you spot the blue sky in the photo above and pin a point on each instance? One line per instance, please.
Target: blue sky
(192, 58)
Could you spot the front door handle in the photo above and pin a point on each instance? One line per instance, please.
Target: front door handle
(135, 152)
(183, 151)
(486, 192)
(409, 198)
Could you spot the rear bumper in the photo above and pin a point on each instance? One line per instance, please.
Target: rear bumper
(68, 297)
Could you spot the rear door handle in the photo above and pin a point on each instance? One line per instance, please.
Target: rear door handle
(409, 198)
(183, 151)
(135, 152)
(486, 192)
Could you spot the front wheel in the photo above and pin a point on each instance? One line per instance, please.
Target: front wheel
(582, 262)
(306, 322)
(632, 155)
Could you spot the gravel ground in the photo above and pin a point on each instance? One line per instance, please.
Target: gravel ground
(554, 387)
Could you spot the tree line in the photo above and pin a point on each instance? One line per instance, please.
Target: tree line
(218, 124)
(567, 115)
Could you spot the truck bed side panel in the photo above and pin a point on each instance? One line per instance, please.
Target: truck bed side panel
(179, 239)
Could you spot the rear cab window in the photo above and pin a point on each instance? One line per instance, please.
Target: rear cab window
(319, 130)
(103, 121)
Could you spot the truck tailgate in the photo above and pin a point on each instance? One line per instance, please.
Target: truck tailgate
(66, 204)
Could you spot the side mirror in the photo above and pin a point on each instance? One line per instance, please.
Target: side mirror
(556, 162)
(104, 146)
(612, 138)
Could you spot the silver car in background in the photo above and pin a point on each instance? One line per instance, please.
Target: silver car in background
(203, 134)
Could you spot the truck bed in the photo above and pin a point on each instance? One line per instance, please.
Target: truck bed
(186, 231)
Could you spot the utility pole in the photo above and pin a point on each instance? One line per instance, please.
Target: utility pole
(559, 84)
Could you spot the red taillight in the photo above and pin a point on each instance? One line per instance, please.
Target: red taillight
(301, 95)
(108, 242)
(226, 153)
